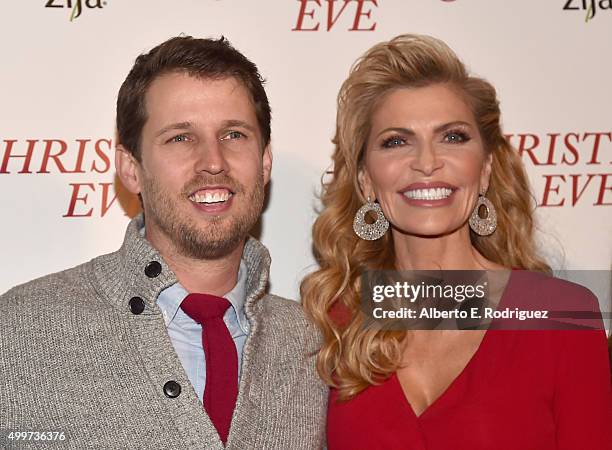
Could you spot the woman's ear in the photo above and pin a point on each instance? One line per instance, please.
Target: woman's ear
(485, 173)
(365, 183)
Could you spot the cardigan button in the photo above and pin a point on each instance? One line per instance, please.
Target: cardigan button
(153, 269)
(172, 389)
(137, 305)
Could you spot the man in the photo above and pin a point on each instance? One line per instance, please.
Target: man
(172, 342)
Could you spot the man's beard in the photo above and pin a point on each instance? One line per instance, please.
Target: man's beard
(222, 234)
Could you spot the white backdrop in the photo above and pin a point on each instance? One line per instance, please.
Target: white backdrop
(60, 77)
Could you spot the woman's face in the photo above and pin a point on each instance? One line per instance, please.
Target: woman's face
(424, 160)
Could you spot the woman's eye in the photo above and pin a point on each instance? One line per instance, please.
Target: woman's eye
(454, 137)
(394, 141)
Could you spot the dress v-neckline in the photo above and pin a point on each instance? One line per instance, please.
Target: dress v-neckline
(455, 381)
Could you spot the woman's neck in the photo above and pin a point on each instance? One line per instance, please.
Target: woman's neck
(452, 251)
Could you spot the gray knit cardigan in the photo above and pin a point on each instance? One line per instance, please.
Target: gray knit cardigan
(75, 358)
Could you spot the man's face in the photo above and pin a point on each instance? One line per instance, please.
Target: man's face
(203, 169)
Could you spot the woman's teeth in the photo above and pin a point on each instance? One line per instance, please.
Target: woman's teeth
(428, 194)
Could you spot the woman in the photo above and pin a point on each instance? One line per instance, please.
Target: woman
(418, 142)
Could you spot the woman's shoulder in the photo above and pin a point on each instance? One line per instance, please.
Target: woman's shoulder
(567, 302)
(538, 283)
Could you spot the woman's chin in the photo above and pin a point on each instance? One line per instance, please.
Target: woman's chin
(432, 230)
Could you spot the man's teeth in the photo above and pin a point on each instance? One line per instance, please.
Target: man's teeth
(429, 194)
(208, 197)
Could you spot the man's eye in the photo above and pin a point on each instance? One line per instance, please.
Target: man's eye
(454, 137)
(179, 138)
(393, 141)
(234, 135)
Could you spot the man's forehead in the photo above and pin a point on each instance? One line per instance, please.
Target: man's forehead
(177, 82)
(180, 94)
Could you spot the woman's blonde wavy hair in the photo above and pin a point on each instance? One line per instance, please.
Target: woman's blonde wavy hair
(353, 357)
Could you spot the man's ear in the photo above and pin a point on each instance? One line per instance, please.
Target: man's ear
(267, 163)
(128, 169)
(485, 174)
(365, 183)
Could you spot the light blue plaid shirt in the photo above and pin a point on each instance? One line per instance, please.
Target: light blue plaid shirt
(186, 334)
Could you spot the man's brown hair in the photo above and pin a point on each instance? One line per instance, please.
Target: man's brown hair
(206, 58)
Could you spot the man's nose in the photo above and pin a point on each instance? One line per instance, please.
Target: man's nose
(211, 158)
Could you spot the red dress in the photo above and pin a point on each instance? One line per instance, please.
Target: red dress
(522, 390)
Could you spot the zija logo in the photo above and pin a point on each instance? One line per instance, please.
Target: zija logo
(76, 6)
(590, 6)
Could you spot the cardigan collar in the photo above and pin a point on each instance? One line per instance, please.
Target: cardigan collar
(137, 270)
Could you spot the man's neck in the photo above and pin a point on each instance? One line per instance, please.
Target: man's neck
(215, 277)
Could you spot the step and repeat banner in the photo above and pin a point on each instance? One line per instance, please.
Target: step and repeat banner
(64, 60)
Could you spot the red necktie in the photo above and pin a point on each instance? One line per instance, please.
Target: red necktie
(221, 358)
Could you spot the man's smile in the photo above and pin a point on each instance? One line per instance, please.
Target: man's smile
(211, 195)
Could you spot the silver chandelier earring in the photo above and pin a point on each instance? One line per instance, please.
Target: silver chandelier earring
(483, 226)
(370, 231)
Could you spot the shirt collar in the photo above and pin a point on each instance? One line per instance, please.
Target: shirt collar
(138, 270)
(237, 297)
(170, 299)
